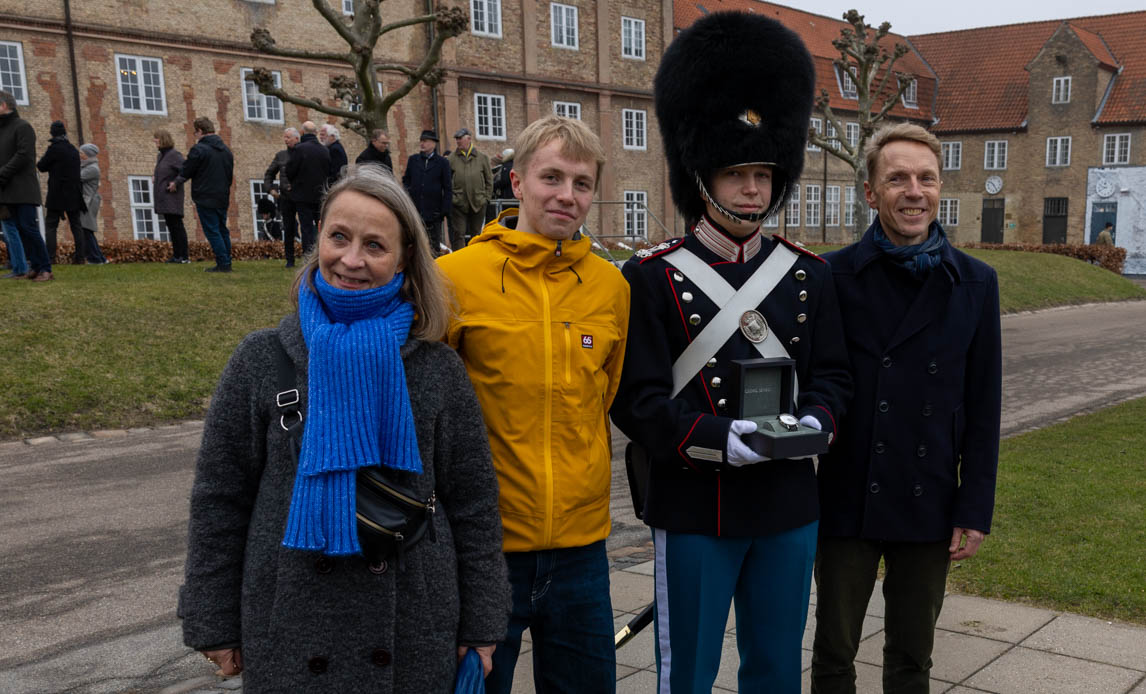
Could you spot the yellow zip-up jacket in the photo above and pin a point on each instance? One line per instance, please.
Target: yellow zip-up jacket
(541, 327)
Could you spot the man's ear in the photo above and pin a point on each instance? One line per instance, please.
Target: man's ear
(515, 183)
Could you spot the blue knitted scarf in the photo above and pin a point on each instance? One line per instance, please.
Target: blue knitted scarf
(359, 409)
(918, 259)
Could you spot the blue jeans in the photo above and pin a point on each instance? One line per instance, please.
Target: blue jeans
(214, 221)
(15, 248)
(24, 216)
(562, 597)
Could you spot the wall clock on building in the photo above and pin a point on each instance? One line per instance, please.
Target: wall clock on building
(994, 185)
(1104, 187)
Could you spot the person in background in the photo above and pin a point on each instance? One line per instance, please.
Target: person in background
(427, 180)
(502, 188)
(17, 263)
(377, 150)
(61, 161)
(211, 166)
(328, 135)
(268, 210)
(1106, 236)
(89, 176)
(19, 187)
(307, 170)
(473, 185)
(287, 211)
(167, 202)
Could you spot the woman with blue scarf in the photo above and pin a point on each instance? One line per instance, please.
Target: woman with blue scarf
(277, 586)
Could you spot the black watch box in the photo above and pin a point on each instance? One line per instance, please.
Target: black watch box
(763, 389)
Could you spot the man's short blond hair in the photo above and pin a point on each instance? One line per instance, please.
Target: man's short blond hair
(578, 142)
(897, 132)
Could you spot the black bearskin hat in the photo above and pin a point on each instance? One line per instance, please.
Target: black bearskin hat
(734, 88)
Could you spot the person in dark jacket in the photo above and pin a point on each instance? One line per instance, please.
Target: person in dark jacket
(61, 161)
(89, 175)
(169, 204)
(328, 135)
(377, 151)
(729, 525)
(308, 168)
(268, 211)
(286, 206)
(912, 479)
(427, 178)
(276, 587)
(210, 167)
(19, 187)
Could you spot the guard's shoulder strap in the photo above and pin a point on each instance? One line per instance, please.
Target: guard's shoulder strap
(797, 247)
(646, 254)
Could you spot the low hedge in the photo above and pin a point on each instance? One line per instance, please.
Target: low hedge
(159, 251)
(1112, 258)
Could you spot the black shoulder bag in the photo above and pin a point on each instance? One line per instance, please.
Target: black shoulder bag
(391, 519)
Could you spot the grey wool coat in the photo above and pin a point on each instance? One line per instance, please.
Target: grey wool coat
(311, 623)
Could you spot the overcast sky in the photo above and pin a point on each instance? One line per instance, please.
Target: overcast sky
(926, 16)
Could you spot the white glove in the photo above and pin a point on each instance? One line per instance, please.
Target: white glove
(810, 421)
(739, 453)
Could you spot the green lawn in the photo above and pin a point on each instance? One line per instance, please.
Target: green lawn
(1070, 519)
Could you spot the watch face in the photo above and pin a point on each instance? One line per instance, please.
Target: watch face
(788, 420)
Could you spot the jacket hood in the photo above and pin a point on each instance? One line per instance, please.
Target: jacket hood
(527, 249)
(213, 141)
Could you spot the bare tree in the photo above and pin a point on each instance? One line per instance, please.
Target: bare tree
(365, 89)
(871, 68)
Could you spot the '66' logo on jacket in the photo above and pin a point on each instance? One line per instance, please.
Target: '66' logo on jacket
(587, 341)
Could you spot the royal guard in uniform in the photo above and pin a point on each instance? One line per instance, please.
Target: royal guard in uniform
(733, 98)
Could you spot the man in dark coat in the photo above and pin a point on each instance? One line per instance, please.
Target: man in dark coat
(378, 151)
(912, 479)
(328, 135)
(19, 187)
(61, 161)
(210, 168)
(308, 167)
(428, 181)
(286, 205)
(268, 210)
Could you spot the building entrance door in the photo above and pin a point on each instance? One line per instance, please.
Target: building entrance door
(992, 220)
(1100, 214)
(1054, 220)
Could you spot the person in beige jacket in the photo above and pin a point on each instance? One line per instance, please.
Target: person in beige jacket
(473, 187)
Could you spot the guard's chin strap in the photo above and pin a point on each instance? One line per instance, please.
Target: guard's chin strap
(729, 214)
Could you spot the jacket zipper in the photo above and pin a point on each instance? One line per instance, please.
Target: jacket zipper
(547, 424)
(427, 505)
(568, 353)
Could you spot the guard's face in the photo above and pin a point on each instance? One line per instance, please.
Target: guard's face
(905, 191)
(556, 192)
(745, 189)
(359, 243)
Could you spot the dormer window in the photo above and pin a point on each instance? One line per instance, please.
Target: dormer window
(909, 94)
(1060, 94)
(847, 86)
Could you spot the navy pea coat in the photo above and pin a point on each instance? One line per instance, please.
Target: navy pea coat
(919, 447)
(697, 495)
(430, 184)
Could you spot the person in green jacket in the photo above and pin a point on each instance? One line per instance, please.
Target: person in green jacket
(473, 187)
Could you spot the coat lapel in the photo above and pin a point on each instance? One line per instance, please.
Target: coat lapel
(931, 302)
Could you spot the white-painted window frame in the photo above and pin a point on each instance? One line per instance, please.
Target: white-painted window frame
(18, 71)
(634, 129)
(130, 72)
(143, 211)
(563, 30)
(493, 113)
(632, 38)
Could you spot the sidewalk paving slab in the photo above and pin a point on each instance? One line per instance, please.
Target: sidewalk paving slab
(1141, 688)
(992, 619)
(1092, 639)
(955, 656)
(1023, 671)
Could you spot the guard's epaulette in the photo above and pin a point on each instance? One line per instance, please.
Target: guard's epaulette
(659, 249)
(797, 247)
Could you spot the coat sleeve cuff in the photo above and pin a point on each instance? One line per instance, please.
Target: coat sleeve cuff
(704, 444)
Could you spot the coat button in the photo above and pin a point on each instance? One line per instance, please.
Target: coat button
(317, 665)
(800, 318)
(917, 490)
(678, 277)
(886, 362)
(711, 362)
(875, 488)
(323, 565)
(884, 406)
(722, 404)
(716, 382)
(686, 297)
(921, 451)
(932, 368)
(801, 275)
(380, 568)
(926, 411)
(380, 657)
(879, 447)
(803, 295)
(694, 319)
(794, 340)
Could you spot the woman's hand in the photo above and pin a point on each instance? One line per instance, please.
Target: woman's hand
(485, 653)
(229, 660)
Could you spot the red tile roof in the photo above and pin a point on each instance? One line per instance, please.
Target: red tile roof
(983, 82)
(818, 32)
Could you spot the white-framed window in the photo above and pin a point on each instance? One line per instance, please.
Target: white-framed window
(348, 7)
(949, 212)
(818, 128)
(1058, 151)
(563, 25)
(485, 17)
(145, 224)
(140, 84)
(811, 205)
(832, 208)
(792, 214)
(910, 95)
(852, 133)
(261, 107)
(995, 154)
(354, 103)
(871, 215)
(849, 206)
(773, 220)
(12, 75)
(636, 213)
(260, 226)
(847, 85)
(1060, 91)
(952, 155)
(567, 109)
(1116, 149)
(830, 131)
(632, 38)
(489, 116)
(633, 122)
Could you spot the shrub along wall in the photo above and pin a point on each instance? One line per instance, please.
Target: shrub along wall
(1110, 257)
(159, 251)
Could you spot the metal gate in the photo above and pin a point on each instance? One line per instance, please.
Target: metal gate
(992, 231)
(1054, 220)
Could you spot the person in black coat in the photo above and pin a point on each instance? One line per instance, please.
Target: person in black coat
(308, 168)
(912, 478)
(287, 212)
(429, 182)
(377, 151)
(61, 161)
(168, 166)
(328, 135)
(19, 188)
(210, 167)
(268, 211)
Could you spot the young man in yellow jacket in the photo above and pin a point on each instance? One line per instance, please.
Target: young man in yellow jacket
(541, 325)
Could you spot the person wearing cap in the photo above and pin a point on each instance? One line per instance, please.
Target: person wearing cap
(540, 325)
(729, 525)
(429, 182)
(473, 186)
(61, 161)
(913, 478)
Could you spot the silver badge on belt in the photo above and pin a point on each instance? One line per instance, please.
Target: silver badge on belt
(753, 326)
